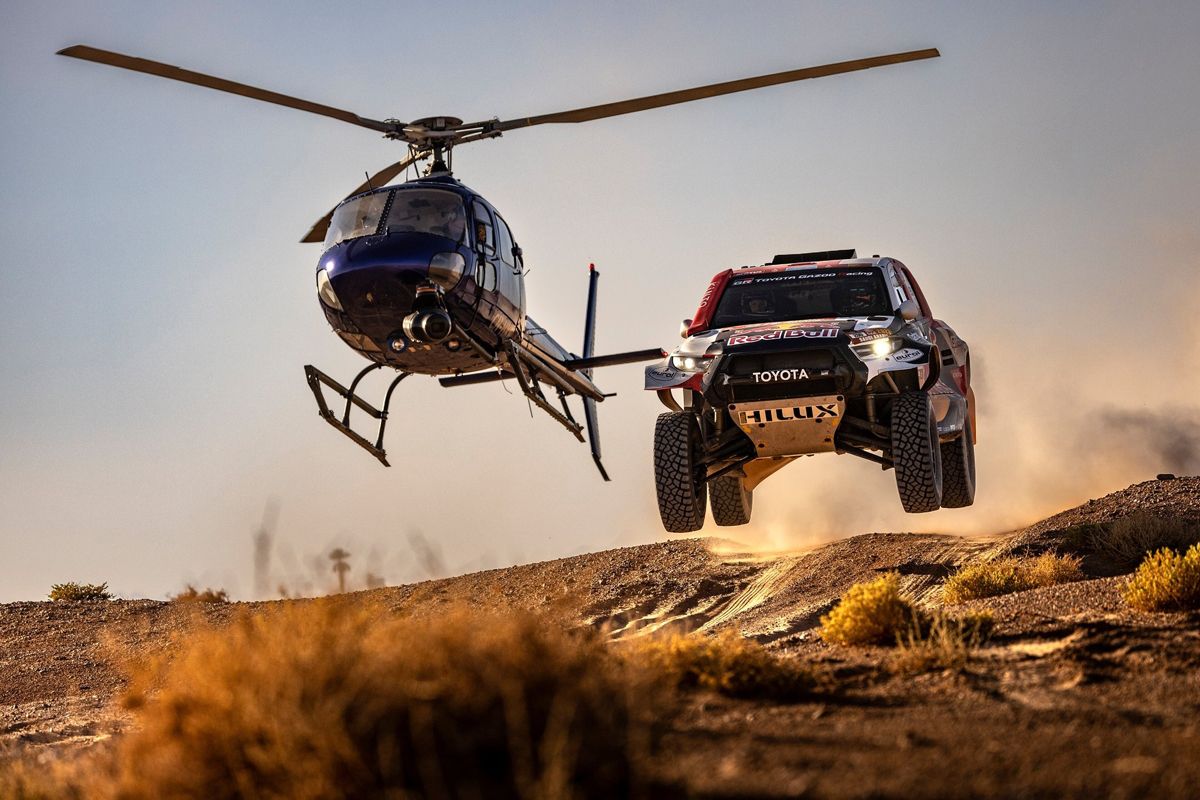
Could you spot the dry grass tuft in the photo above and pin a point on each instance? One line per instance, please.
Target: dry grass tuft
(192, 595)
(941, 642)
(1166, 581)
(80, 592)
(329, 700)
(870, 613)
(878, 613)
(1007, 575)
(1126, 541)
(729, 664)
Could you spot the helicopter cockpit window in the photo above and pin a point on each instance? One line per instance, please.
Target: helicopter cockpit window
(359, 217)
(428, 211)
(483, 228)
(506, 243)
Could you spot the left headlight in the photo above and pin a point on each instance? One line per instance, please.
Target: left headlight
(878, 348)
(325, 290)
(446, 269)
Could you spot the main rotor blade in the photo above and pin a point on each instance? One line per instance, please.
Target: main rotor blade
(714, 90)
(317, 232)
(86, 53)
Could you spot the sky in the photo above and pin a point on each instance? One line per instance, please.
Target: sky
(1040, 179)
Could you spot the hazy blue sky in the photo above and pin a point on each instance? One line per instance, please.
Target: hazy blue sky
(1040, 179)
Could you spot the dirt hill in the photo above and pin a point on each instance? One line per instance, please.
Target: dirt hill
(1076, 696)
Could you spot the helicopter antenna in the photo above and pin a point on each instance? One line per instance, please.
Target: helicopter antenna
(369, 186)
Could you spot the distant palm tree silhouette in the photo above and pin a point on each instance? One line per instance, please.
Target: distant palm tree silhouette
(340, 566)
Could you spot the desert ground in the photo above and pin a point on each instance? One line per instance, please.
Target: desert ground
(1075, 695)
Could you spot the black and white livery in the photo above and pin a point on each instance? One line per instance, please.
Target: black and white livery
(813, 353)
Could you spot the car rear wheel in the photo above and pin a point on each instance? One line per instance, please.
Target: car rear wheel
(916, 453)
(958, 470)
(680, 477)
(730, 500)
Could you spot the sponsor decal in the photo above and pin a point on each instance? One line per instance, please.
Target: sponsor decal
(662, 373)
(772, 375)
(787, 414)
(907, 354)
(869, 335)
(792, 333)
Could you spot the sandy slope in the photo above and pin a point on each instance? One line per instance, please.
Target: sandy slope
(1077, 695)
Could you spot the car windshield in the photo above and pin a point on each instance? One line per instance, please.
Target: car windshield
(428, 211)
(358, 217)
(802, 294)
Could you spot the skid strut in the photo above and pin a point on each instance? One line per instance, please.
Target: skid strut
(315, 380)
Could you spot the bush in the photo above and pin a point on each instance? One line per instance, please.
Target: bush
(80, 592)
(1007, 575)
(877, 612)
(1126, 541)
(870, 613)
(329, 701)
(729, 664)
(191, 595)
(1166, 581)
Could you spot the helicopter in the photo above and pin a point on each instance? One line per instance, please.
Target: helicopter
(426, 277)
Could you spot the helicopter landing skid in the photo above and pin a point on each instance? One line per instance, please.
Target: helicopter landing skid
(316, 379)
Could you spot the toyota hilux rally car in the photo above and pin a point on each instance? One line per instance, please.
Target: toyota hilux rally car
(812, 353)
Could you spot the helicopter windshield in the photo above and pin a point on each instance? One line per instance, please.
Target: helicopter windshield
(428, 211)
(358, 217)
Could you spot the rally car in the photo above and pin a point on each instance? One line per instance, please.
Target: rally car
(813, 353)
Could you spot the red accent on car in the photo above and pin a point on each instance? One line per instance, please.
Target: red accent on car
(925, 312)
(708, 304)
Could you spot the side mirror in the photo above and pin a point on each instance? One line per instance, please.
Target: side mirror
(683, 328)
(909, 310)
(517, 251)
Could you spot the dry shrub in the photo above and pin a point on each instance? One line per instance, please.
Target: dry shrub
(877, 612)
(1126, 541)
(1008, 574)
(333, 701)
(1166, 581)
(728, 663)
(941, 641)
(80, 592)
(870, 613)
(191, 595)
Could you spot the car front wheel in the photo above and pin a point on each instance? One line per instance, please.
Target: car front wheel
(916, 453)
(680, 476)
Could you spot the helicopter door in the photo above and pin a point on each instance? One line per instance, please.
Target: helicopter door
(512, 284)
(485, 248)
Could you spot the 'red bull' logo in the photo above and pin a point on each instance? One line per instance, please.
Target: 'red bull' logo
(792, 333)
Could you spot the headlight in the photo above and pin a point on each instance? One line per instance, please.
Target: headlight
(325, 290)
(878, 348)
(445, 269)
(689, 363)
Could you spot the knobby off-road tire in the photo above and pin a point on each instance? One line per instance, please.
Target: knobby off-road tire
(958, 470)
(731, 503)
(916, 453)
(680, 477)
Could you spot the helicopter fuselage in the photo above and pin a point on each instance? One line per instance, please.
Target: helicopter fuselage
(400, 255)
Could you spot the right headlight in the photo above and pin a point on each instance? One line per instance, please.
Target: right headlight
(325, 290)
(690, 363)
